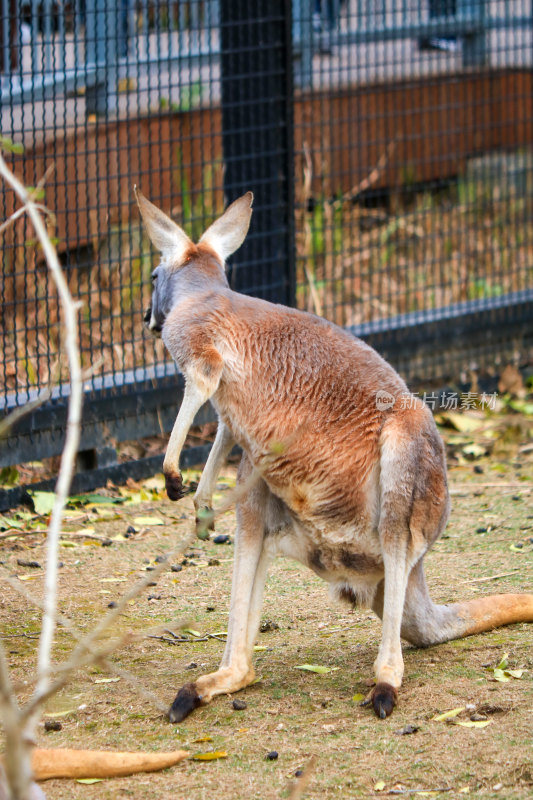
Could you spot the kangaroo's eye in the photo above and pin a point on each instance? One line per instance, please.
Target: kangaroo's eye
(154, 277)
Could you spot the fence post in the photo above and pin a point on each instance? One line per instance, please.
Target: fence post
(474, 45)
(101, 50)
(257, 138)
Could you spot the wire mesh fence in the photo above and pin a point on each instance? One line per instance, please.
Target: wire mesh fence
(388, 146)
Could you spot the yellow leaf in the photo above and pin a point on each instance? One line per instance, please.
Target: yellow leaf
(212, 756)
(357, 698)
(464, 790)
(379, 786)
(89, 780)
(202, 739)
(27, 577)
(482, 723)
(107, 680)
(259, 647)
(85, 531)
(447, 714)
(113, 580)
(148, 521)
(67, 544)
(192, 632)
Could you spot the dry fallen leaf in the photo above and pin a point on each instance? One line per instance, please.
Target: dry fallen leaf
(148, 521)
(464, 423)
(379, 786)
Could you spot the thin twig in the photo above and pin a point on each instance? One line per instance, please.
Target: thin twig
(19, 213)
(492, 577)
(417, 791)
(43, 531)
(307, 187)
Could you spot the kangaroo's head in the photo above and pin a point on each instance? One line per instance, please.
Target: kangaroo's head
(177, 250)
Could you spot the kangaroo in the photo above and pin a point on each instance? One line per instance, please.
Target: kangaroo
(350, 469)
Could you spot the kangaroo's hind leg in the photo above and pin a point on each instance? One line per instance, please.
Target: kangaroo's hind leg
(414, 509)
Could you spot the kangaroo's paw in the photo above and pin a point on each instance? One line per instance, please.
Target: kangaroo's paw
(384, 697)
(205, 521)
(174, 485)
(186, 701)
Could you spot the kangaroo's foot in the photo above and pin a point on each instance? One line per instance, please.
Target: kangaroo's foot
(224, 681)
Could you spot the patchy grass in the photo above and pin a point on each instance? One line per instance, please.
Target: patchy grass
(293, 712)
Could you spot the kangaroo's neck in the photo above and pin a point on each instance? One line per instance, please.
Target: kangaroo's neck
(198, 279)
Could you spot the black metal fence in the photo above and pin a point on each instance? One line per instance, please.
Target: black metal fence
(388, 146)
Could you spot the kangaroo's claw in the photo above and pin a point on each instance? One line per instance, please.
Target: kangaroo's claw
(186, 701)
(384, 697)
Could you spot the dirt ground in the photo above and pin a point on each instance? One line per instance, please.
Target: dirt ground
(486, 549)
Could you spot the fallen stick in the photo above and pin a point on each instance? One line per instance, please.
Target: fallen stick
(60, 763)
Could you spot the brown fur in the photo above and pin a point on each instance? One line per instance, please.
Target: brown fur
(351, 487)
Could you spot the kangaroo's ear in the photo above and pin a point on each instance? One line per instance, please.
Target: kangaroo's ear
(166, 235)
(229, 231)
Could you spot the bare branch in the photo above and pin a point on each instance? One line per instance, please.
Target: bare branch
(17, 742)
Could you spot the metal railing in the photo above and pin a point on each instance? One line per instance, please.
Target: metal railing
(91, 45)
(388, 146)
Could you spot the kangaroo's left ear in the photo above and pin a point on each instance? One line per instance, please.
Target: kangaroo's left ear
(171, 241)
(229, 231)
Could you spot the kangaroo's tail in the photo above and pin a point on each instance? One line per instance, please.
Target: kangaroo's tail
(425, 623)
